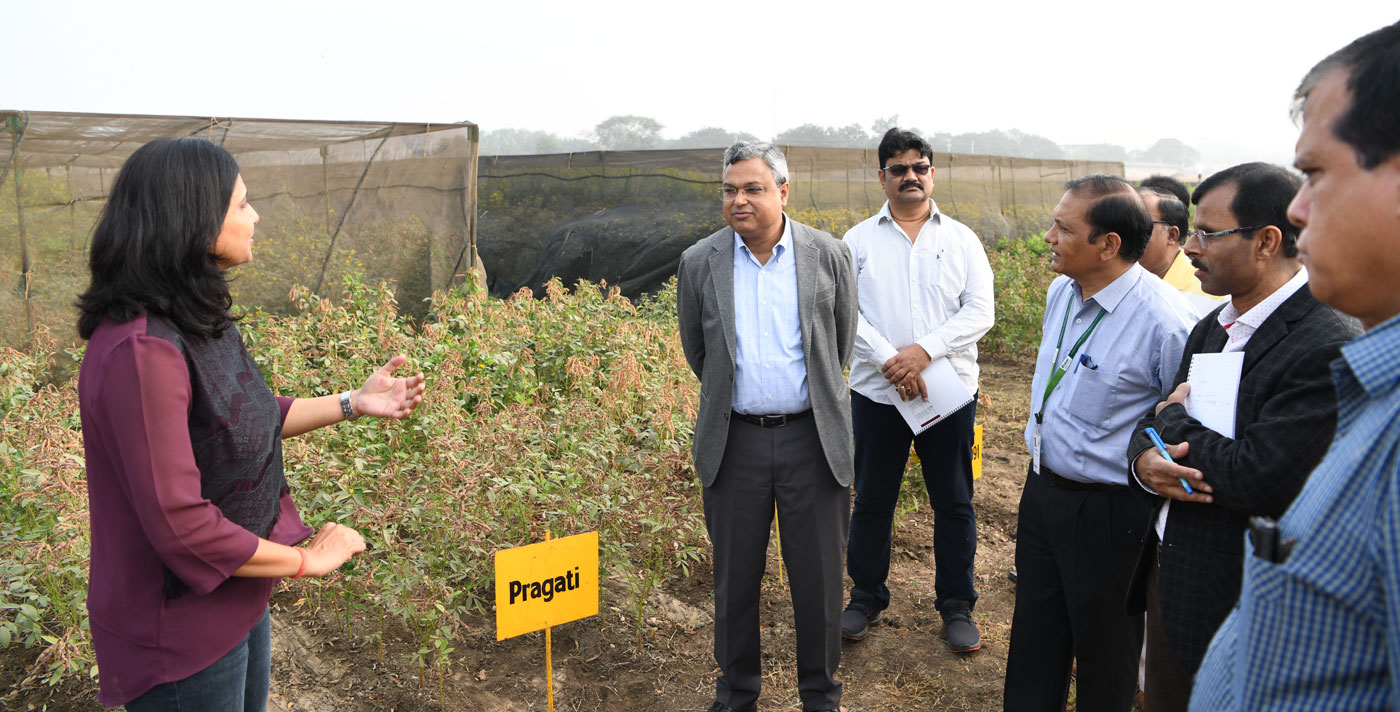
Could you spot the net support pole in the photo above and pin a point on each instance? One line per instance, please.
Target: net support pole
(478, 268)
(330, 248)
(1015, 203)
(25, 260)
(326, 184)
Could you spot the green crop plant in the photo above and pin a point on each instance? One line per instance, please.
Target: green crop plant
(565, 414)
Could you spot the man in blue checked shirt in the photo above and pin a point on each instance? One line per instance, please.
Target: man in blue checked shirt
(1318, 623)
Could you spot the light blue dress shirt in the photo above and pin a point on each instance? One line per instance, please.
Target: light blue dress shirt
(770, 372)
(1125, 367)
(1321, 630)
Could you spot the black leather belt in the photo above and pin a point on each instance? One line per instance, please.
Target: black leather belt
(771, 421)
(1075, 486)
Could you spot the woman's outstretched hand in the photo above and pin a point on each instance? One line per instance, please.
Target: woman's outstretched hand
(387, 396)
(332, 546)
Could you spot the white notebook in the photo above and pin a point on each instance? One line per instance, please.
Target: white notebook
(946, 394)
(1215, 386)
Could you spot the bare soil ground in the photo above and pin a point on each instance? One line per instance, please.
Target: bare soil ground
(319, 666)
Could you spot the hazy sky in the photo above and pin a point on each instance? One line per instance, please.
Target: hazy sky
(1217, 75)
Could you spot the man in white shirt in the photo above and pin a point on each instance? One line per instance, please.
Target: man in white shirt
(1188, 574)
(925, 290)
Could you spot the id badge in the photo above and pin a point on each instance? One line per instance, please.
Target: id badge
(1035, 450)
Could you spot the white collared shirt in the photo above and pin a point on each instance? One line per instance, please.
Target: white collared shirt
(935, 291)
(1242, 326)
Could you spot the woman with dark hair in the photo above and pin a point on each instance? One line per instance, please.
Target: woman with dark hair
(192, 519)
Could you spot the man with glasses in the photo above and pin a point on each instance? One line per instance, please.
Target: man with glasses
(925, 293)
(767, 311)
(1110, 344)
(1166, 199)
(1188, 574)
(1318, 622)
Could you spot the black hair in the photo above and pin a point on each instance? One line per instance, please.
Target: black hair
(151, 250)
(897, 141)
(1167, 184)
(1371, 124)
(1173, 210)
(1117, 208)
(1262, 194)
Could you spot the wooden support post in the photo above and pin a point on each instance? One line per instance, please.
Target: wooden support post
(548, 657)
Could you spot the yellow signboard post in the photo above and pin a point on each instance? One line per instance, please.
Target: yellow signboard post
(546, 584)
(976, 452)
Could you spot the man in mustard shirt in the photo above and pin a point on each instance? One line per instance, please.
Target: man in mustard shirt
(1167, 200)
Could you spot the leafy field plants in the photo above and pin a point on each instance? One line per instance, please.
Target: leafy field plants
(1021, 272)
(564, 414)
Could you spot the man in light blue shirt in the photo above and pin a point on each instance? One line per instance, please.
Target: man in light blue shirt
(1318, 622)
(1111, 342)
(769, 373)
(767, 314)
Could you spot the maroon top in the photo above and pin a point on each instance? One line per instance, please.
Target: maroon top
(162, 601)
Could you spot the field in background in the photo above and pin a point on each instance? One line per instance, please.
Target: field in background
(568, 413)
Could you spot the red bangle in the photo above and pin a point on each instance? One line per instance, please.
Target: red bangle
(304, 559)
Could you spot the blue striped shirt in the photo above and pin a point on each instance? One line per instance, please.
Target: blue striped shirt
(770, 372)
(1321, 631)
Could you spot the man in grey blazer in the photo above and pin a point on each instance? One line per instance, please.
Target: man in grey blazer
(767, 310)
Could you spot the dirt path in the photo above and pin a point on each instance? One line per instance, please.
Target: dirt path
(904, 665)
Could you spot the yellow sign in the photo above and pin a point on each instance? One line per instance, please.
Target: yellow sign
(976, 452)
(546, 584)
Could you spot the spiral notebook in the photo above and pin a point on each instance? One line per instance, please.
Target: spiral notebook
(1215, 386)
(946, 395)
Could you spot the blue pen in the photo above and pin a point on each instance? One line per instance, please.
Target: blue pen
(1162, 449)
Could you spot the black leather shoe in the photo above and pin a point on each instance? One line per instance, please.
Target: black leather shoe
(856, 622)
(721, 707)
(958, 627)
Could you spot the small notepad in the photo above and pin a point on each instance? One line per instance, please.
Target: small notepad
(946, 395)
(1215, 386)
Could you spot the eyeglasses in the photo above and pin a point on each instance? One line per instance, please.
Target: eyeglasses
(1160, 222)
(899, 169)
(728, 193)
(1204, 236)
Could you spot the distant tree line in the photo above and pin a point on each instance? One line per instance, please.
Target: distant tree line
(630, 132)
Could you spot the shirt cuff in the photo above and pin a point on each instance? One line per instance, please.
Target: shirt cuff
(883, 353)
(1132, 468)
(284, 404)
(934, 346)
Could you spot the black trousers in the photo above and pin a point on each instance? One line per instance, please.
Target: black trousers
(882, 450)
(762, 466)
(1168, 687)
(1075, 553)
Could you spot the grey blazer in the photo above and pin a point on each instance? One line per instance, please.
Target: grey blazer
(827, 310)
